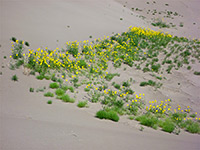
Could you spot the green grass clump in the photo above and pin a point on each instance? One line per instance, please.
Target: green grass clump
(82, 104)
(168, 126)
(14, 78)
(59, 92)
(117, 86)
(148, 120)
(160, 24)
(49, 94)
(31, 89)
(193, 115)
(54, 85)
(40, 77)
(65, 87)
(126, 84)
(86, 89)
(67, 98)
(197, 73)
(111, 115)
(150, 82)
(193, 127)
(71, 89)
(110, 76)
(49, 102)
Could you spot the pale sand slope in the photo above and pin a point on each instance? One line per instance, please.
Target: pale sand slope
(188, 14)
(27, 122)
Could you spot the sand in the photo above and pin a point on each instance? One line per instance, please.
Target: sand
(27, 122)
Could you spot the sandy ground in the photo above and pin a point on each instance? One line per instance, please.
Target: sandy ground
(27, 122)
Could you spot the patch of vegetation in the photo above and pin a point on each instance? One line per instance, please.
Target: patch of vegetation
(160, 24)
(148, 120)
(117, 86)
(110, 76)
(82, 104)
(193, 127)
(111, 115)
(54, 85)
(67, 98)
(49, 102)
(49, 94)
(59, 92)
(197, 73)
(31, 89)
(14, 78)
(168, 126)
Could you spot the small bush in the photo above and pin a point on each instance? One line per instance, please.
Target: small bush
(54, 85)
(71, 89)
(110, 76)
(160, 24)
(117, 86)
(126, 84)
(66, 98)
(168, 126)
(144, 84)
(14, 78)
(148, 120)
(65, 87)
(49, 102)
(197, 73)
(86, 89)
(193, 128)
(31, 89)
(59, 92)
(49, 94)
(40, 77)
(82, 104)
(111, 115)
(131, 117)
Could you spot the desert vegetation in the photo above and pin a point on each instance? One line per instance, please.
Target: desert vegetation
(85, 65)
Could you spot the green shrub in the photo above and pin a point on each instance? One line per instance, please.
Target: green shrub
(110, 76)
(144, 84)
(82, 104)
(14, 78)
(65, 87)
(193, 115)
(126, 84)
(160, 24)
(155, 67)
(66, 98)
(59, 92)
(193, 128)
(49, 94)
(86, 89)
(111, 115)
(148, 120)
(31, 89)
(71, 89)
(168, 126)
(47, 77)
(197, 73)
(117, 86)
(150, 82)
(40, 77)
(54, 85)
(49, 102)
